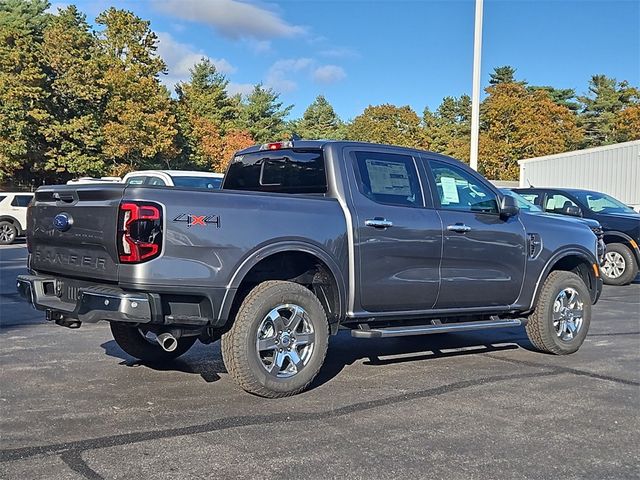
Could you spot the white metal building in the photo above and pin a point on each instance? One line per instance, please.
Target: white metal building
(612, 169)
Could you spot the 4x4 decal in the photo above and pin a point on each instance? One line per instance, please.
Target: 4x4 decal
(195, 220)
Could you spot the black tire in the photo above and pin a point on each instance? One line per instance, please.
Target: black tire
(132, 342)
(630, 265)
(8, 233)
(239, 345)
(540, 327)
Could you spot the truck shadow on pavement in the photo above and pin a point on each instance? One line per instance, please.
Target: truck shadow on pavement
(206, 360)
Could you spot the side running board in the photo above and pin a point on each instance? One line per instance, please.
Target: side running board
(364, 331)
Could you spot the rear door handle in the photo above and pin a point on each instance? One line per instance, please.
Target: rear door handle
(378, 222)
(459, 227)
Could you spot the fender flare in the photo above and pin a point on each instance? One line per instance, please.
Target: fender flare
(573, 251)
(267, 250)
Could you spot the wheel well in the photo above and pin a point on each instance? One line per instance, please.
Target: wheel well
(300, 267)
(578, 265)
(14, 221)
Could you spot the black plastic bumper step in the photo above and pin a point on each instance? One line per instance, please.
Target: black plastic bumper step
(435, 327)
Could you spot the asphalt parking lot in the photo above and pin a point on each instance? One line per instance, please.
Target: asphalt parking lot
(455, 406)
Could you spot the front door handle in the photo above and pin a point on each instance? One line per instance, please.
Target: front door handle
(378, 222)
(459, 227)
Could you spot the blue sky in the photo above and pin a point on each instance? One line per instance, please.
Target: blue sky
(358, 52)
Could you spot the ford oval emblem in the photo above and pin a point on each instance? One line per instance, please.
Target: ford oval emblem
(62, 222)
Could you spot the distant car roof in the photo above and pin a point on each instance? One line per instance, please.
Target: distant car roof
(178, 173)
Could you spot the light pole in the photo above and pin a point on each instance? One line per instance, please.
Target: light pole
(475, 92)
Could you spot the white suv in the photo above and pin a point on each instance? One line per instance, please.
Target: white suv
(13, 215)
(175, 178)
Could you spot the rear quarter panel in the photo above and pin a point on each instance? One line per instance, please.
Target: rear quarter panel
(238, 228)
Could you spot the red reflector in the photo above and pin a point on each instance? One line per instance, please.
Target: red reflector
(274, 146)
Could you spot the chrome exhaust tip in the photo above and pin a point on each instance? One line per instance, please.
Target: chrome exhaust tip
(167, 341)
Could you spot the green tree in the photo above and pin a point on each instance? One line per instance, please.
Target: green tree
(388, 124)
(565, 97)
(517, 123)
(73, 134)
(320, 121)
(24, 16)
(601, 106)
(23, 90)
(139, 123)
(448, 129)
(263, 115)
(208, 118)
(504, 74)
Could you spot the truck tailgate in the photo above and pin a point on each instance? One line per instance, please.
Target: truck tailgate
(72, 230)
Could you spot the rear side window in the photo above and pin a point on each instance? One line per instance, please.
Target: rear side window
(135, 180)
(388, 178)
(2, 197)
(156, 181)
(283, 171)
(208, 183)
(21, 200)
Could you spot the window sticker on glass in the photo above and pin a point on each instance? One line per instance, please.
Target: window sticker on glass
(388, 178)
(449, 190)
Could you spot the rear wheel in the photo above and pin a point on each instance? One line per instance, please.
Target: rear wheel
(620, 267)
(278, 340)
(136, 343)
(8, 233)
(562, 316)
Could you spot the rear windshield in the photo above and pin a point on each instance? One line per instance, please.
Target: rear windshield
(210, 183)
(283, 171)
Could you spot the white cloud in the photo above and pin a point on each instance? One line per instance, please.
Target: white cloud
(340, 52)
(233, 18)
(55, 6)
(327, 74)
(180, 58)
(280, 73)
(241, 88)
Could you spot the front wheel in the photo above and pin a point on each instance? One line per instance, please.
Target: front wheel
(620, 267)
(278, 340)
(562, 316)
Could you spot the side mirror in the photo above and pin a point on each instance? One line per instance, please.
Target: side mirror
(572, 211)
(508, 206)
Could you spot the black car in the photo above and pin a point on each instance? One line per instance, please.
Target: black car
(529, 208)
(621, 225)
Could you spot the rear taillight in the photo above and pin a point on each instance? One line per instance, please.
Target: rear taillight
(139, 231)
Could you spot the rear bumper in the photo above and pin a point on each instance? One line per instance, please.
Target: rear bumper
(87, 304)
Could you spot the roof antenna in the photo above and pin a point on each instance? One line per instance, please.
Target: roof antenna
(530, 186)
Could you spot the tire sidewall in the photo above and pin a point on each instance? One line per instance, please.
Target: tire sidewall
(630, 270)
(268, 300)
(569, 280)
(15, 232)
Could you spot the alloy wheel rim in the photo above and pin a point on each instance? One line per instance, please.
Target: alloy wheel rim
(614, 264)
(285, 340)
(6, 234)
(568, 314)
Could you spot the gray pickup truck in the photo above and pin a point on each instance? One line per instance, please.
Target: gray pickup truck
(306, 238)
